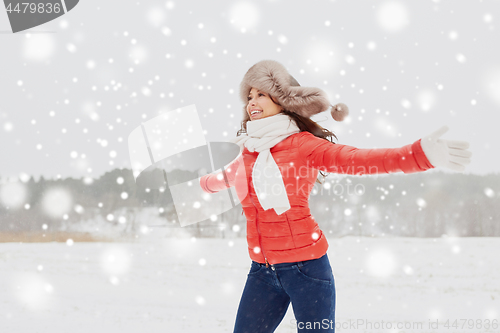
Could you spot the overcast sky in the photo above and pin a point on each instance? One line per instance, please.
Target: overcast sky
(72, 90)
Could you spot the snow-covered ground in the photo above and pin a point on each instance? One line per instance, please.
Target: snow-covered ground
(193, 285)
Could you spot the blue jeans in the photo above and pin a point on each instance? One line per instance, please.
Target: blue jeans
(308, 285)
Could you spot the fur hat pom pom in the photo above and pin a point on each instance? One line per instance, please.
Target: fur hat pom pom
(339, 111)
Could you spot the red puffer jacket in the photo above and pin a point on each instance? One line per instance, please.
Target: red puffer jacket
(295, 235)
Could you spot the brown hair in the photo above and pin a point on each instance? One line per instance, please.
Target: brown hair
(303, 123)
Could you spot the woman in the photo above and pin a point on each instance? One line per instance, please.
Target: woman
(282, 152)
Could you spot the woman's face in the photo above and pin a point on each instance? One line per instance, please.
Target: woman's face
(260, 105)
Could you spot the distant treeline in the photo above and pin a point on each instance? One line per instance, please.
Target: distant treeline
(428, 204)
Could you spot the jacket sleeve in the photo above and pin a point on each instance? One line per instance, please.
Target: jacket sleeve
(336, 158)
(213, 183)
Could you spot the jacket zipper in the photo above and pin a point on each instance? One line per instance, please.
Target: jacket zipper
(290, 228)
(257, 224)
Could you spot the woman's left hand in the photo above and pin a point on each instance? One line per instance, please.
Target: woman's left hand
(446, 153)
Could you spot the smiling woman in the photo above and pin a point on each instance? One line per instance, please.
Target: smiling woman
(260, 105)
(282, 152)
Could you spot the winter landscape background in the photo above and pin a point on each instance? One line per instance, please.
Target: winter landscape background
(181, 285)
(84, 246)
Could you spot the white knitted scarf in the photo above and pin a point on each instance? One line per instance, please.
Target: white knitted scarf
(263, 134)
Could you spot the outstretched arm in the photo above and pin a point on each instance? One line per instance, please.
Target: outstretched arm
(336, 158)
(213, 183)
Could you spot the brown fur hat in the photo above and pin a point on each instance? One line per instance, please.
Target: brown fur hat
(272, 77)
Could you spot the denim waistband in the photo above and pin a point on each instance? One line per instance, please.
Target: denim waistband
(281, 265)
(288, 264)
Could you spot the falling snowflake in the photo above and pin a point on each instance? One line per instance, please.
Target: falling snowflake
(13, 194)
(371, 45)
(489, 192)
(426, 99)
(392, 16)
(71, 48)
(200, 300)
(408, 270)
(115, 260)
(56, 202)
(491, 82)
(460, 58)
(380, 263)
(155, 16)
(421, 203)
(244, 15)
(39, 47)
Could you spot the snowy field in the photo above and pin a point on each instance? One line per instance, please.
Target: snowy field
(193, 285)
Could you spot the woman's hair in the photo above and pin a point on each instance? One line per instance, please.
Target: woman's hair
(303, 123)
